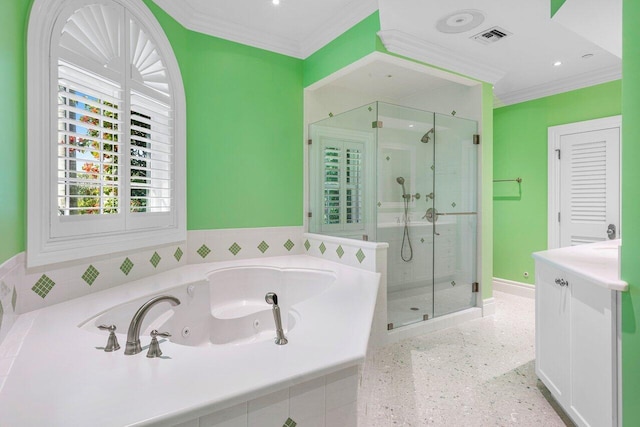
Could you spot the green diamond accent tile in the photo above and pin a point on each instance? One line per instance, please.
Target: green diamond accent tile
(14, 299)
(126, 266)
(90, 275)
(204, 251)
(422, 240)
(307, 245)
(433, 167)
(235, 248)
(155, 259)
(379, 204)
(360, 255)
(178, 254)
(289, 245)
(43, 286)
(289, 423)
(322, 247)
(340, 251)
(453, 205)
(4, 290)
(262, 247)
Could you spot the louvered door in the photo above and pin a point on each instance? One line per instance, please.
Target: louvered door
(589, 186)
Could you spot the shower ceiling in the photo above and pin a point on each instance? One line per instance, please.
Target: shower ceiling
(520, 65)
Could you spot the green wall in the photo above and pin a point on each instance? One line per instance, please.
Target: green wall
(244, 131)
(353, 44)
(631, 213)
(245, 136)
(13, 21)
(520, 149)
(556, 5)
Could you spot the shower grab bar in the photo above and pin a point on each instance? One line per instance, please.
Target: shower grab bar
(456, 213)
(518, 180)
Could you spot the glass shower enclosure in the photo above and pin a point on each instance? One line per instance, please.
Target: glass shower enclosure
(395, 174)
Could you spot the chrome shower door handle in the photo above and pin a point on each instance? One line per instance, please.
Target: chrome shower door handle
(611, 231)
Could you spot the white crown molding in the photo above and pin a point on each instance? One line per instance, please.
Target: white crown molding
(413, 47)
(591, 78)
(349, 16)
(191, 19)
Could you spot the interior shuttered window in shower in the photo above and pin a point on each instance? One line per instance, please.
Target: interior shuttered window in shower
(114, 157)
(343, 185)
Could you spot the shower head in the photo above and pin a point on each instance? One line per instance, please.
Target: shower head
(400, 180)
(425, 138)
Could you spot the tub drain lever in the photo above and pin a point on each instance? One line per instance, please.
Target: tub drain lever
(112, 341)
(272, 298)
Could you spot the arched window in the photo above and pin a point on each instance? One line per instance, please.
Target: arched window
(106, 131)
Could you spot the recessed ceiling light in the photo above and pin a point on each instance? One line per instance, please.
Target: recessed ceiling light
(410, 126)
(557, 63)
(460, 21)
(275, 2)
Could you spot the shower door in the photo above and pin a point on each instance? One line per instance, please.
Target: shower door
(405, 187)
(455, 214)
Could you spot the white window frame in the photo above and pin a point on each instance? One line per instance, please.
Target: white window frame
(42, 247)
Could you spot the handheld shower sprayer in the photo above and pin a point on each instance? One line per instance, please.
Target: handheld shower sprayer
(425, 138)
(400, 180)
(406, 240)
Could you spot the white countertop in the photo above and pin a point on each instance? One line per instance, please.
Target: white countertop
(596, 262)
(55, 376)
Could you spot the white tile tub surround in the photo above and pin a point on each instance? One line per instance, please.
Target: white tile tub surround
(212, 380)
(8, 293)
(75, 279)
(242, 243)
(327, 401)
(354, 253)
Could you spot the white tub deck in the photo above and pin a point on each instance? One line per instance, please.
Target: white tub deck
(56, 376)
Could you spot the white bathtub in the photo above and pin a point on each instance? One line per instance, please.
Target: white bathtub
(59, 375)
(228, 307)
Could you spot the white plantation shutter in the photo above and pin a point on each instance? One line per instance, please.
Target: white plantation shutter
(343, 185)
(151, 156)
(109, 173)
(110, 87)
(354, 180)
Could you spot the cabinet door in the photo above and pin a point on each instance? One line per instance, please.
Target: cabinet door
(593, 351)
(552, 331)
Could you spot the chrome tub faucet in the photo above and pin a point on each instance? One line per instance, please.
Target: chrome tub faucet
(133, 335)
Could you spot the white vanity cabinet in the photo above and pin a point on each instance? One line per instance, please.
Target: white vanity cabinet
(577, 339)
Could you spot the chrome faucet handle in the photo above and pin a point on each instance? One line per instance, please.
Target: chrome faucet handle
(154, 347)
(112, 341)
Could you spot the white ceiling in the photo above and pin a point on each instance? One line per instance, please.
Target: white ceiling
(520, 66)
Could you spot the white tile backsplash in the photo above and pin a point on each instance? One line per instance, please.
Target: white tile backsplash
(248, 240)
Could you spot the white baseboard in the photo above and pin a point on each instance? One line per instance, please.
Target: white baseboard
(488, 307)
(514, 288)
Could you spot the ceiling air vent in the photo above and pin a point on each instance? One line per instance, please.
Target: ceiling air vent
(491, 35)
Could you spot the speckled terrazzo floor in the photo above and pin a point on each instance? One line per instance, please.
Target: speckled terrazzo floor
(480, 373)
